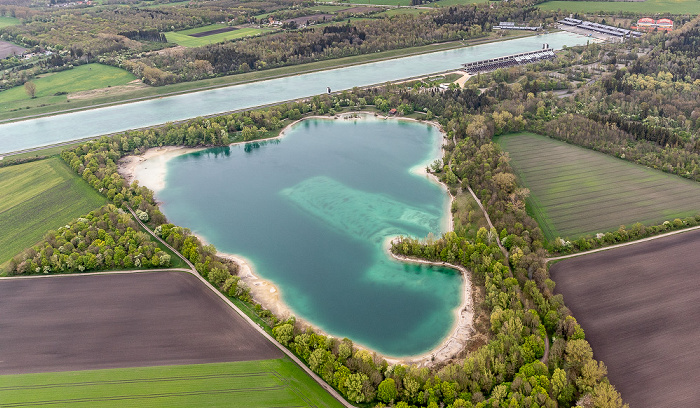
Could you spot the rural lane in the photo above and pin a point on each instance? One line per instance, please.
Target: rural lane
(592, 251)
(193, 271)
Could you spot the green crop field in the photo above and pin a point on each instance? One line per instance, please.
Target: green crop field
(247, 384)
(37, 197)
(81, 78)
(183, 37)
(576, 191)
(648, 7)
(8, 21)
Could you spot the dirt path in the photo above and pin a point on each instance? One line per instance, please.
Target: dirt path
(545, 357)
(483, 210)
(194, 272)
(265, 334)
(592, 251)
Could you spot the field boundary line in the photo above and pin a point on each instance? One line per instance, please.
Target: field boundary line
(94, 273)
(142, 396)
(141, 380)
(624, 244)
(247, 318)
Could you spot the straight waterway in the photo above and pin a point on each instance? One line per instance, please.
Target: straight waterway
(49, 130)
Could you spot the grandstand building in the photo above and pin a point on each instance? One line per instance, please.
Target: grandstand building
(505, 25)
(522, 58)
(599, 28)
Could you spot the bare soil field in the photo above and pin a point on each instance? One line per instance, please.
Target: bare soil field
(7, 49)
(212, 32)
(361, 9)
(65, 323)
(319, 18)
(640, 307)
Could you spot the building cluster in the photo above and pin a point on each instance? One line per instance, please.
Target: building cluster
(649, 24)
(599, 28)
(509, 61)
(504, 25)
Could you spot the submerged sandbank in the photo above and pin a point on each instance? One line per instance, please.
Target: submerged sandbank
(151, 169)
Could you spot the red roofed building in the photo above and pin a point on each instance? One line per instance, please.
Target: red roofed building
(664, 24)
(649, 24)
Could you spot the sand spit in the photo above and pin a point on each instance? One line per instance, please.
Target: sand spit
(150, 167)
(150, 170)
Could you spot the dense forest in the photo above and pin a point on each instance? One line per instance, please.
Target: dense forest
(519, 310)
(105, 239)
(641, 105)
(327, 42)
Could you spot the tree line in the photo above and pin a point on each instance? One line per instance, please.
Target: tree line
(320, 43)
(104, 239)
(519, 307)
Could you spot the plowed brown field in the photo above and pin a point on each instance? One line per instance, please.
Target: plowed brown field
(65, 323)
(640, 308)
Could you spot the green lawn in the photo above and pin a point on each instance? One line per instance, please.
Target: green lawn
(648, 7)
(407, 3)
(8, 21)
(81, 78)
(183, 37)
(247, 384)
(37, 197)
(402, 10)
(576, 191)
(328, 8)
(164, 5)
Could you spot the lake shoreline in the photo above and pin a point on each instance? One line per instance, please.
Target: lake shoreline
(150, 169)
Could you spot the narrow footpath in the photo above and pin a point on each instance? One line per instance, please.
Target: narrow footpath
(483, 210)
(193, 271)
(291, 355)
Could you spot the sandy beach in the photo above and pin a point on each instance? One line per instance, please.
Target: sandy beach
(150, 170)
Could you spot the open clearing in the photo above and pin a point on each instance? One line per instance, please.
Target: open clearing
(186, 38)
(7, 48)
(37, 197)
(8, 21)
(576, 191)
(246, 384)
(81, 78)
(69, 322)
(640, 307)
(648, 7)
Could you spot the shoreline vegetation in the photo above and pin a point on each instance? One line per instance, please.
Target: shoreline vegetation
(150, 168)
(517, 311)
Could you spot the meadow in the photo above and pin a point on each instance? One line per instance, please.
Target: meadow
(407, 3)
(8, 21)
(185, 39)
(648, 7)
(576, 192)
(81, 78)
(37, 197)
(247, 384)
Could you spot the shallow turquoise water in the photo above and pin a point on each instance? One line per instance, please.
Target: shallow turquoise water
(312, 210)
(94, 122)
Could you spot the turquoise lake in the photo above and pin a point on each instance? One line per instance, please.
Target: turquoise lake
(312, 211)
